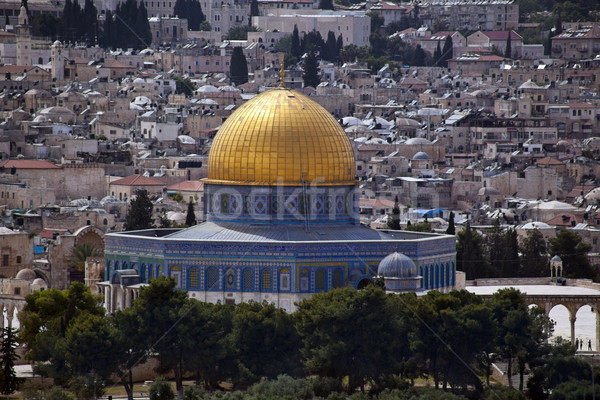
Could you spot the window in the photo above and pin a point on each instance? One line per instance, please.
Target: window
(266, 279)
(211, 278)
(194, 280)
(320, 281)
(337, 278)
(176, 275)
(284, 279)
(304, 280)
(247, 283)
(5, 260)
(17, 290)
(19, 259)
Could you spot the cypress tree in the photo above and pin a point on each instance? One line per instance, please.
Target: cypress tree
(508, 51)
(142, 27)
(254, 12)
(437, 54)
(139, 215)
(326, 4)
(451, 230)
(295, 47)
(331, 47)
(447, 51)
(238, 67)
(311, 70)
(393, 221)
(190, 217)
(340, 44)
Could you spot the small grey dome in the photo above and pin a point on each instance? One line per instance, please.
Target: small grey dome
(39, 281)
(397, 265)
(556, 258)
(26, 274)
(421, 155)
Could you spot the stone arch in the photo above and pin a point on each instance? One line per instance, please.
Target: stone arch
(42, 274)
(89, 234)
(363, 282)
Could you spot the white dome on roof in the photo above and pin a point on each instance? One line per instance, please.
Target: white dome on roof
(421, 155)
(207, 89)
(536, 225)
(228, 88)
(593, 195)
(26, 274)
(417, 140)
(139, 80)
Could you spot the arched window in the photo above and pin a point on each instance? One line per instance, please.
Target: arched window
(175, 273)
(194, 279)
(229, 279)
(337, 278)
(248, 280)
(211, 278)
(266, 279)
(124, 265)
(304, 280)
(426, 278)
(320, 280)
(142, 272)
(284, 279)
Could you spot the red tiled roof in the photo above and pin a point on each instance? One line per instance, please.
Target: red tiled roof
(549, 161)
(188, 186)
(565, 220)
(29, 164)
(137, 180)
(376, 203)
(581, 105)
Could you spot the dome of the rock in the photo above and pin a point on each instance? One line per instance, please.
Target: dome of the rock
(281, 137)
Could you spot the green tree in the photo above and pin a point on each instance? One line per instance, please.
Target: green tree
(184, 86)
(437, 54)
(161, 389)
(240, 32)
(9, 380)
(393, 221)
(310, 74)
(534, 258)
(326, 4)
(419, 57)
(254, 11)
(89, 342)
(447, 51)
(139, 215)
(469, 254)
(508, 51)
(238, 67)
(142, 28)
(573, 252)
(192, 11)
(378, 44)
(160, 310)
(190, 217)
(331, 53)
(377, 21)
(295, 45)
(341, 338)
(80, 253)
(451, 230)
(495, 248)
(45, 319)
(265, 342)
(512, 263)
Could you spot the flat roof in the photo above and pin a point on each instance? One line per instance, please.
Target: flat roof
(535, 290)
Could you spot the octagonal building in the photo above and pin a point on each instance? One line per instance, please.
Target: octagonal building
(281, 218)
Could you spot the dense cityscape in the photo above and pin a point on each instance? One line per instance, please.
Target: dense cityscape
(299, 199)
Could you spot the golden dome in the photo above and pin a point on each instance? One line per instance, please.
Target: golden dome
(281, 137)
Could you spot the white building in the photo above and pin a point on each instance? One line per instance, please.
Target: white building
(355, 27)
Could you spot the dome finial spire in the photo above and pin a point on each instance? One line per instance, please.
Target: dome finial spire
(281, 76)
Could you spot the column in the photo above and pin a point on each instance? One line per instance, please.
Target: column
(10, 315)
(2, 319)
(597, 339)
(572, 319)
